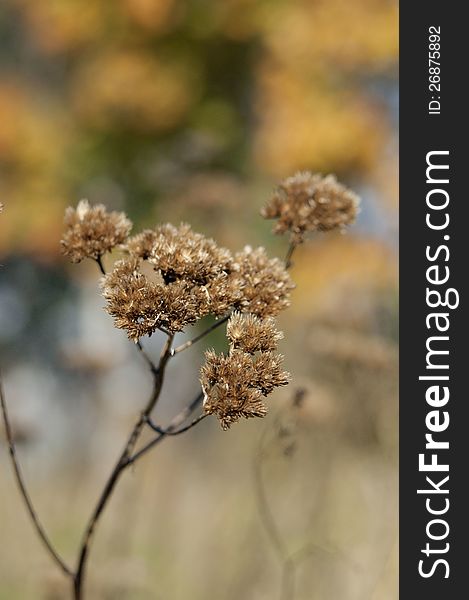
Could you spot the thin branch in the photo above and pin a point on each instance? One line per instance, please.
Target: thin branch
(24, 492)
(200, 336)
(148, 360)
(99, 261)
(174, 424)
(118, 469)
(169, 431)
(164, 330)
(159, 376)
(289, 255)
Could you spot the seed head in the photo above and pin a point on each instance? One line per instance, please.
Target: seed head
(234, 384)
(141, 305)
(251, 334)
(264, 283)
(141, 244)
(180, 253)
(193, 277)
(306, 203)
(90, 232)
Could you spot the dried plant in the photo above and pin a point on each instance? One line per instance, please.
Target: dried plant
(90, 232)
(170, 277)
(234, 385)
(306, 203)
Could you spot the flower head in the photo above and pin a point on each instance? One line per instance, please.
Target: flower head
(180, 253)
(190, 278)
(264, 283)
(91, 231)
(173, 276)
(251, 334)
(234, 384)
(307, 203)
(141, 304)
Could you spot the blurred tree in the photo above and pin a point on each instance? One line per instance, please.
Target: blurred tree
(122, 102)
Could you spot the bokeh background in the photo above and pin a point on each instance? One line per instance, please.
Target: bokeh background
(192, 110)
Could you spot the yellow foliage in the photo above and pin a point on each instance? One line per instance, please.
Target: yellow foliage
(133, 89)
(229, 83)
(32, 129)
(339, 262)
(309, 124)
(60, 25)
(349, 35)
(153, 15)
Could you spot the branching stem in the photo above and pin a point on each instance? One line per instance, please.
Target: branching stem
(119, 468)
(129, 457)
(174, 424)
(153, 368)
(169, 431)
(189, 343)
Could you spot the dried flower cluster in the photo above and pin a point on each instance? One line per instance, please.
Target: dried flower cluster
(180, 253)
(234, 385)
(90, 232)
(307, 203)
(171, 277)
(189, 277)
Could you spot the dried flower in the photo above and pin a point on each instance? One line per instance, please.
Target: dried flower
(251, 334)
(225, 382)
(268, 373)
(233, 385)
(141, 306)
(306, 203)
(180, 253)
(141, 244)
(264, 283)
(92, 231)
(193, 277)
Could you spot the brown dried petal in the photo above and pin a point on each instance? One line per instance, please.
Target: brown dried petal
(307, 203)
(141, 306)
(269, 373)
(90, 232)
(233, 385)
(252, 334)
(265, 284)
(180, 253)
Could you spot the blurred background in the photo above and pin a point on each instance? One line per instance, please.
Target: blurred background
(192, 110)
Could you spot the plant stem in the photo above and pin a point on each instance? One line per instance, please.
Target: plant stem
(201, 335)
(119, 468)
(289, 255)
(99, 261)
(169, 431)
(24, 492)
(148, 360)
(176, 422)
